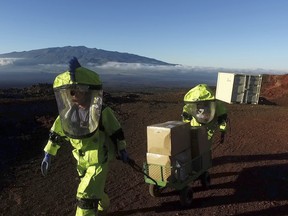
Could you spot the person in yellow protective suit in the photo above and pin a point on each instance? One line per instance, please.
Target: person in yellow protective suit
(93, 131)
(202, 108)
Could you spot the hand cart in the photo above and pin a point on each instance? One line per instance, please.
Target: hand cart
(179, 176)
(179, 171)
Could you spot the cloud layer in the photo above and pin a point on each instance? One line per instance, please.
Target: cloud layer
(120, 74)
(8, 65)
(7, 61)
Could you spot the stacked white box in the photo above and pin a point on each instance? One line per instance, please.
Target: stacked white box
(168, 148)
(173, 167)
(168, 138)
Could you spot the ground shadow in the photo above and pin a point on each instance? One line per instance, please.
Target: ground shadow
(264, 101)
(255, 184)
(248, 158)
(278, 210)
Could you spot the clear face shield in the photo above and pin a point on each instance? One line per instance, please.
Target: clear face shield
(202, 111)
(79, 109)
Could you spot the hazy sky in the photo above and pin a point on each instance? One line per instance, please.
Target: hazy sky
(215, 33)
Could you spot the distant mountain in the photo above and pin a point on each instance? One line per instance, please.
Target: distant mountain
(62, 55)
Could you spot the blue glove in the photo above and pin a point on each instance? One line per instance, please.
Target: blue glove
(124, 156)
(46, 163)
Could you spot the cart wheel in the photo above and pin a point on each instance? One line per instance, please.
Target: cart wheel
(155, 190)
(186, 196)
(205, 180)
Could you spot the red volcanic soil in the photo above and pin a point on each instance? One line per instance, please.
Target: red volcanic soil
(249, 175)
(275, 88)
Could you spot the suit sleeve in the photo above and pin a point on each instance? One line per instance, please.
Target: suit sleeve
(52, 145)
(113, 128)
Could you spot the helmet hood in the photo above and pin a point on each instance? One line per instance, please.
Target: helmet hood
(200, 103)
(200, 92)
(78, 94)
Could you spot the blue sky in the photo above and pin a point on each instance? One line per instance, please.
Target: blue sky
(206, 33)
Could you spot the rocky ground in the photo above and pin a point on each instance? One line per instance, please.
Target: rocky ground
(249, 175)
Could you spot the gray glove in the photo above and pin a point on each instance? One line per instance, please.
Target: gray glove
(46, 163)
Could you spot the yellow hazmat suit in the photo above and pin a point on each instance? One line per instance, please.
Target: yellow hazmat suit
(203, 94)
(96, 139)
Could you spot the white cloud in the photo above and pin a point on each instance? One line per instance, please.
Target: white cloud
(131, 68)
(126, 67)
(7, 61)
(114, 67)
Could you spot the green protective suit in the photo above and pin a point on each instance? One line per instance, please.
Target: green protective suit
(92, 152)
(202, 92)
(92, 155)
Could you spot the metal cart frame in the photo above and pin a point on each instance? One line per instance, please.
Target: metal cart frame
(179, 177)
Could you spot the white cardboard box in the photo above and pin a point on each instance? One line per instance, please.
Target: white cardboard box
(173, 167)
(168, 138)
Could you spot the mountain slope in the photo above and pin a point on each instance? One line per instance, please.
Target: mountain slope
(61, 55)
